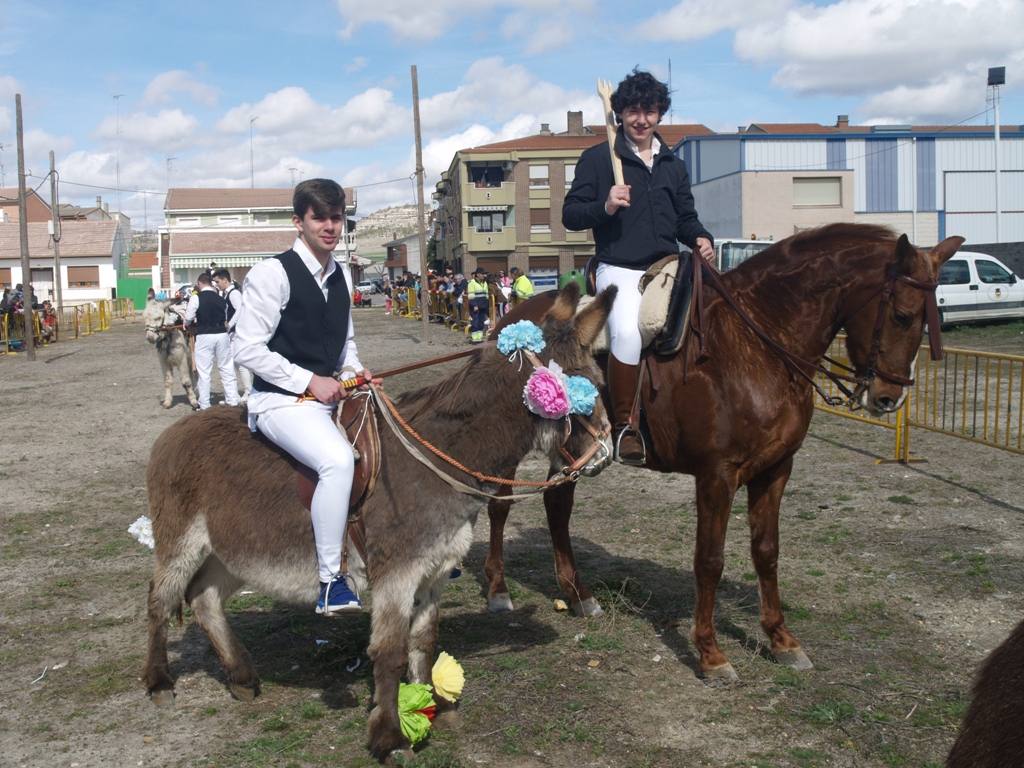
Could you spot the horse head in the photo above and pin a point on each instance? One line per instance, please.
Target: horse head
(569, 336)
(884, 336)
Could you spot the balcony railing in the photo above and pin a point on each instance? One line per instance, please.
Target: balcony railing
(500, 240)
(503, 195)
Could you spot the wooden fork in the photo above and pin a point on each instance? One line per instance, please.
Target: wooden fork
(604, 90)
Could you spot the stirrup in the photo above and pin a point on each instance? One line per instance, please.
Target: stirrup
(642, 461)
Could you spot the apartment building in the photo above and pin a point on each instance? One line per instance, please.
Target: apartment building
(234, 228)
(500, 205)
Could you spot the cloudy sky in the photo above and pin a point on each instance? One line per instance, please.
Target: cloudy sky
(328, 80)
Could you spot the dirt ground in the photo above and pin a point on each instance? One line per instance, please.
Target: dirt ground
(897, 579)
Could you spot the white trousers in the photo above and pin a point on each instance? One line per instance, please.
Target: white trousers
(623, 327)
(307, 432)
(211, 346)
(244, 376)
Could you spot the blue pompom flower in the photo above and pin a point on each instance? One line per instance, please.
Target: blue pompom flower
(582, 394)
(521, 335)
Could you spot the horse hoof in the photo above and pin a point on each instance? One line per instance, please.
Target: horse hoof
(587, 608)
(245, 693)
(166, 405)
(500, 603)
(721, 675)
(794, 658)
(163, 699)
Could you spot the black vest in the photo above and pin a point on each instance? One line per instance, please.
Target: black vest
(210, 315)
(230, 308)
(312, 332)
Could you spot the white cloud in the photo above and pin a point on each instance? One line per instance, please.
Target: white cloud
(358, 63)
(163, 87)
(168, 129)
(502, 92)
(417, 20)
(292, 115)
(8, 87)
(697, 19)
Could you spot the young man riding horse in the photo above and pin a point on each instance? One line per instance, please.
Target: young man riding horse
(293, 330)
(634, 225)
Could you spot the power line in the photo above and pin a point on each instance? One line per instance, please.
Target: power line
(164, 191)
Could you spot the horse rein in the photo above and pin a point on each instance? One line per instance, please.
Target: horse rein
(801, 366)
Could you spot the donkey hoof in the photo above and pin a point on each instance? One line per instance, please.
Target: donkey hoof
(244, 692)
(721, 675)
(166, 404)
(500, 603)
(163, 698)
(399, 757)
(587, 608)
(794, 658)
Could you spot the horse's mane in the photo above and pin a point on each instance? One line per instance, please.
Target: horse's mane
(452, 397)
(812, 244)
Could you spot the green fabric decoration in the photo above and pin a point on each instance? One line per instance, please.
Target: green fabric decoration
(413, 700)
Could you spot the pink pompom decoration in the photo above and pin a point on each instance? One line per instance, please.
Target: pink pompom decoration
(545, 394)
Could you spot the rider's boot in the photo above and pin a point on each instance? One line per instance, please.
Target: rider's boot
(622, 385)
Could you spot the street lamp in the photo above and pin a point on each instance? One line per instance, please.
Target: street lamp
(996, 78)
(252, 170)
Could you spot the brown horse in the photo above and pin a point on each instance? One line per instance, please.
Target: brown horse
(226, 512)
(737, 415)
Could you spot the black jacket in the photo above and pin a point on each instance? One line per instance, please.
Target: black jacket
(661, 209)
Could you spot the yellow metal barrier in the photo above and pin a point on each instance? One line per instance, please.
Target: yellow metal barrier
(969, 394)
(5, 335)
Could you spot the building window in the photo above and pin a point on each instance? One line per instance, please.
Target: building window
(229, 221)
(189, 221)
(570, 174)
(540, 219)
(826, 191)
(486, 175)
(538, 175)
(492, 221)
(83, 277)
(5, 278)
(261, 218)
(991, 273)
(955, 272)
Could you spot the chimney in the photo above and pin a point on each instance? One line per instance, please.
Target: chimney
(545, 129)
(99, 202)
(574, 123)
(843, 121)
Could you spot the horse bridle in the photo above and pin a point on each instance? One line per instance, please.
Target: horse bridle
(808, 369)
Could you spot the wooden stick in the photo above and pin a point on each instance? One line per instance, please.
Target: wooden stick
(604, 90)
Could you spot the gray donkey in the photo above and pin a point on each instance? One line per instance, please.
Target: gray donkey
(171, 348)
(225, 512)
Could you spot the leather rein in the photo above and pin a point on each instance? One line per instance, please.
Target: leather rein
(409, 438)
(808, 369)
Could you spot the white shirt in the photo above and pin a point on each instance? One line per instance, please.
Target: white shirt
(265, 294)
(655, 149)
(193, 304)
(234, 296)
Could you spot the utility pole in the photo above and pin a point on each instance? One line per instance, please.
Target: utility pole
(252, 167)
(420, 228)
(293, 172)
(3, 173)
(117, 149)
(996, 78)
(57, 279)
(26, 263)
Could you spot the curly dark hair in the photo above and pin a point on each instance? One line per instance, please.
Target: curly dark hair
(641, 89)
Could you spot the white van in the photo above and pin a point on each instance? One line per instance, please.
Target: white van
(730, 252)
(976, 286)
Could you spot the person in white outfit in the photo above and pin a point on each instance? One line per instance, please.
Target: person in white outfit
(206, 315)
(294, 330)
(233, 298)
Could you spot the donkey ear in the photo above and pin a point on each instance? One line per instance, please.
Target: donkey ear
(565, 305)
(591, 320)
(906, 256)
(942, 252)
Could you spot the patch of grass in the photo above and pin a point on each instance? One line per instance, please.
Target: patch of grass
(240, 603)
(830, 712)
(807, 514)
(312, 710)
(805, 757)
(901, 499)
(601, 642)
(789, 678)
(816, 572)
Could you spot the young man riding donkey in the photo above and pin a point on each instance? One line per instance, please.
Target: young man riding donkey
(635, 224)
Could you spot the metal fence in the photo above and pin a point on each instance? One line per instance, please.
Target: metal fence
(969, 394)
(72, 323)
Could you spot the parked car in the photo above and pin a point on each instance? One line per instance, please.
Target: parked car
(366, 287)
(731, 252)
(976, 286)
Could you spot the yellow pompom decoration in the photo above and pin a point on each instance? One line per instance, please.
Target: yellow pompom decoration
(448, 677)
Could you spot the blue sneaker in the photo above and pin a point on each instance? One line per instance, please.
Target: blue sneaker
(337, 597)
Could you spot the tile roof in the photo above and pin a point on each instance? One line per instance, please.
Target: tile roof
(78, 239)
(672, 134)
(255, 241)
(142, 260)
(10, 195)
(221, 198)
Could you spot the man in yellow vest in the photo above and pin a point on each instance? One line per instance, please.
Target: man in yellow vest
(522, 288)
(478, 294)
